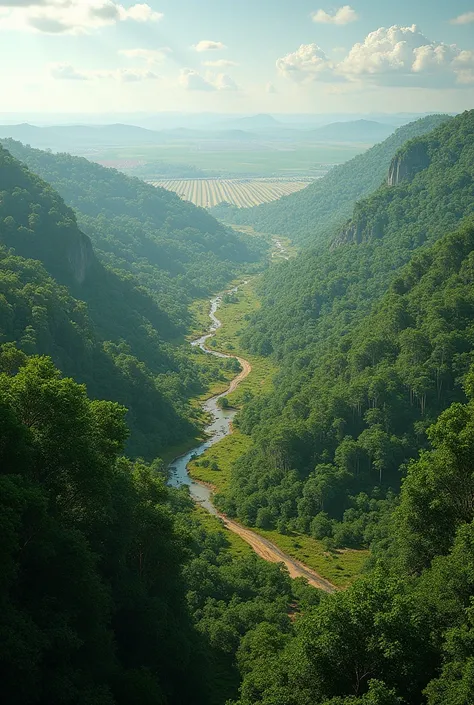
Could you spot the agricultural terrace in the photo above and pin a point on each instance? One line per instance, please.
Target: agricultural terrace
(239, 192)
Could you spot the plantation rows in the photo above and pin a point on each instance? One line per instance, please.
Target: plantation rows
(240, 192)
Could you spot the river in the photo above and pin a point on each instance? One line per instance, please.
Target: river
(219, 427)
(221, 419)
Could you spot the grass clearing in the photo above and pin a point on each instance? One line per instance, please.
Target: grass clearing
(234, 314)
(223, 455)
(237, 547)
(341, 567)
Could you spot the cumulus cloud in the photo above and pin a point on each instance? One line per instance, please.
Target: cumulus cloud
(66, 72)
(307, 62)
(404, 56)
(401, 56)
(344, 15)
(191, 80)
(208, 45)
(466, 18)
(70, 16)
(220, 63)
(151, 56)
(223, 82)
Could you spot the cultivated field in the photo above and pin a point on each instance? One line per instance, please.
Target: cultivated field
(240, 192)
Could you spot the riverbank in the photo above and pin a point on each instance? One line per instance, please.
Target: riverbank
(340, 567)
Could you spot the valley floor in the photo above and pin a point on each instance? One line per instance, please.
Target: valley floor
(302, 555)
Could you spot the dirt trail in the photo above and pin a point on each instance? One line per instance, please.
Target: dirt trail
(269, 552)
(246, 370)
(263, 547)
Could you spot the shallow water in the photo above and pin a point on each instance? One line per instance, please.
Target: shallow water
(216, 430)
(220, 426)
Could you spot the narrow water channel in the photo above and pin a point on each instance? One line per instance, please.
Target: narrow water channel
(218, 428)
(220, 425)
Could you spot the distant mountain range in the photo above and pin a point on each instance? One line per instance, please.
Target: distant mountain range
(353, 131)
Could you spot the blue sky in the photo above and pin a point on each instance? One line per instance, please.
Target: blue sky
(236, 55)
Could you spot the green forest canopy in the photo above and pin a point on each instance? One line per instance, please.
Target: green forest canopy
(100, 323)
(112, 590)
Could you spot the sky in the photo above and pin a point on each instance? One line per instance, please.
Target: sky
(236, 56)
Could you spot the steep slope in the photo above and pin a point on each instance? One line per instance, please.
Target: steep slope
(115, 342)
(176, 250)
(309, 216)
(357, 388)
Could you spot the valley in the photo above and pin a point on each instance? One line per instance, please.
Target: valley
(253, 497)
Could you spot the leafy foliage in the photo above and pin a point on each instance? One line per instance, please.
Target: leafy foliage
(355, 393)
(120, 341)
(177, 251)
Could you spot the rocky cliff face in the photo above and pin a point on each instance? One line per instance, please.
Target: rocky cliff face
(81, 258)
(408, 162)
(357, 231)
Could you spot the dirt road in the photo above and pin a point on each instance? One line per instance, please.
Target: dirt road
(269, 552)
(246, 370)
(262, 547)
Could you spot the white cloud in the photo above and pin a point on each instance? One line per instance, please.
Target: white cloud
(466, 18)
(401, 56)
(404, 56)
(223, 82)
(70, 16)
(307, 62)
(208, 45)
(151, 56)
(220, 63)
(191, 80)
(66, 72)
(344, 15)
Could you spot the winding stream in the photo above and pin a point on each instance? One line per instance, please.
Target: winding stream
(217, 429)
(221, 423)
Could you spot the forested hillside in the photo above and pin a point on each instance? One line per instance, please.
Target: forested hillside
(112, 591)
(358, 387)
(98, 324)
(174, 249)
(368, 440)
(310, 216)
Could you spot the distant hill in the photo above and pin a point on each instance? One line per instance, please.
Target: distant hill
(64, 137)
(312, 214)
(353, 131)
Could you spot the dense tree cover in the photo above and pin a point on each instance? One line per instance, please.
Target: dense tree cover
(111, 590)
(101, 326)
(89, 556)
(356, 392)
(310, 216)
(402, 635)
(176, 250)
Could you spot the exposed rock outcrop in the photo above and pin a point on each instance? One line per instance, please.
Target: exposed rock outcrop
(80, 256)
(408, 162)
